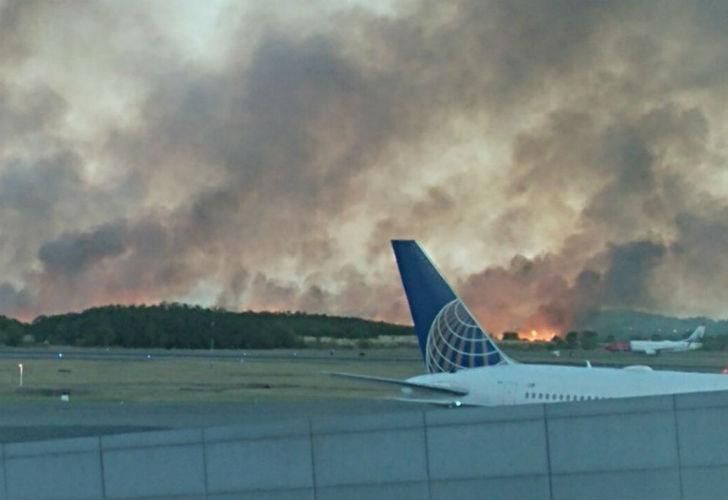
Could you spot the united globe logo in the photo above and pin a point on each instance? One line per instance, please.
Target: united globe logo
(455, 341)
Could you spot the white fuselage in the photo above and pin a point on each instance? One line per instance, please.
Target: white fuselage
(655, 346)
(523, 384)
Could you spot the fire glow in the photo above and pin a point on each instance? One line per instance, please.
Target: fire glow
(538, 335)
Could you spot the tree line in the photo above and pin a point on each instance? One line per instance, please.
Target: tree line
(182, 326)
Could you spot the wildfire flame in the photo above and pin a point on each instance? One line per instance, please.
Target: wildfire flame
(539, 336)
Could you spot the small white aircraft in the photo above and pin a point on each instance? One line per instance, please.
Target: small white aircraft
(652, 347)
(465, 367)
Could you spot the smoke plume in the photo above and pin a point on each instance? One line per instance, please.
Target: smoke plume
(555, 159)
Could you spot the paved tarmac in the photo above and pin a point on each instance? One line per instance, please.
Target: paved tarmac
(711, 362)
(50, 420)
(39, 421)
(97, 354)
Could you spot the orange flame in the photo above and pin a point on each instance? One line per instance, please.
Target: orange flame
(538, 336)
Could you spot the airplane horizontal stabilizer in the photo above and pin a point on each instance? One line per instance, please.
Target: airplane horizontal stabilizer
(448, 403)
(429, 388)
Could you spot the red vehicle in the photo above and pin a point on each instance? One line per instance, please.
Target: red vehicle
(618, 347)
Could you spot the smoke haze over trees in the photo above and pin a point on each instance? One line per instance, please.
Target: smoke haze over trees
(554, 158)
(194, 327)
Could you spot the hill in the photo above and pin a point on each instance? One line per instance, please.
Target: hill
(626, 324)
(193, 327)
(184, 326)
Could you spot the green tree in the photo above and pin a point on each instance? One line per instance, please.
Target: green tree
(556, 343)
(510, 336)
(13, 337)
(572, 340)
(589, 340)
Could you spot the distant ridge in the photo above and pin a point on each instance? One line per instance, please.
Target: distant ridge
(174, 325)
(185, 326)
(623, 324)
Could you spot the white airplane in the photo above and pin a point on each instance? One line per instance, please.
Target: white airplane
(652, 347)
(465, 367)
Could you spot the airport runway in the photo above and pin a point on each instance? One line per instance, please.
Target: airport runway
(39, 421)
(54, 419)
(30, 421)
(694, 362)
(96, 354)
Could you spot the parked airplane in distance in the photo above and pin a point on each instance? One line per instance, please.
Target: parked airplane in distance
(652, 347)
(465, 366)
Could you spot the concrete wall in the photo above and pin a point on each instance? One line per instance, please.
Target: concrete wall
(647, 448)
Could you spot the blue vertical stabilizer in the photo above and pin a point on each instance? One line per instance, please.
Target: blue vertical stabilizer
(427, 293)
(449, 336)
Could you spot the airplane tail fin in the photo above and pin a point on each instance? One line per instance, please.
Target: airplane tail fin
(697, 335)
(449, 336)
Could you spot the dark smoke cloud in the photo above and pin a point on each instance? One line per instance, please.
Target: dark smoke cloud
(38, 188)
(618, 277)
(73, 253)
(11, 17)
(555, 158)
(13, 299)
(28, 117)
(357, 298)
(232, 295)
(630, 266)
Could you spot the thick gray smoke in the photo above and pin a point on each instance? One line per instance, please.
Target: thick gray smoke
(555, 158)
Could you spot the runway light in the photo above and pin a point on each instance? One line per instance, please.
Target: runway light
(20, 371)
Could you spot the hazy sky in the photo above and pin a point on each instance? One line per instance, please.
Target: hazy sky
(553, 158)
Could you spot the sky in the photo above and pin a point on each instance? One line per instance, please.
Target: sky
(553, 158)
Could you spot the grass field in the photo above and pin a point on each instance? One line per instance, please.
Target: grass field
(188, 380)
(284, 378)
